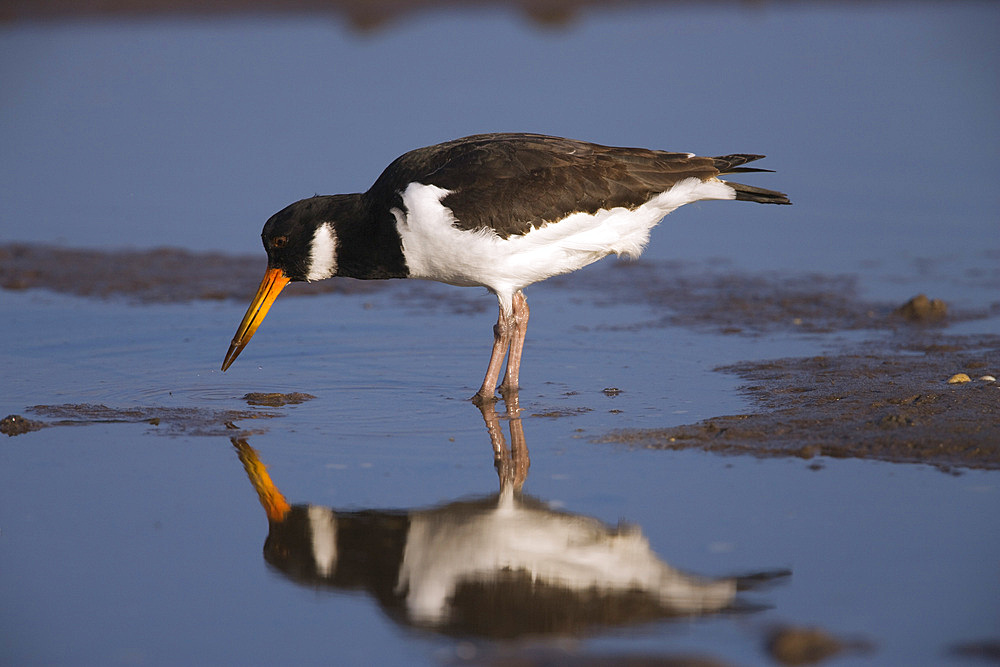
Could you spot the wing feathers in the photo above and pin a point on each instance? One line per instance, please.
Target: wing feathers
(511, 183)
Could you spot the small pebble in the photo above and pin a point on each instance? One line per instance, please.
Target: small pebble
(922, 309)
(802, 646)
(988, 378)
(958, 378)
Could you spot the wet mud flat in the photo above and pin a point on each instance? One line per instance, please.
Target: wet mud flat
(911, 393)
(887, 397)
(161, 275)
(867, 403)
(161, 420)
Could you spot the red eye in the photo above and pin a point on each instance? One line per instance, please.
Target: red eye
(279, 242)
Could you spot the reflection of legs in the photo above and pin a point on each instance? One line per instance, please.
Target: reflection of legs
(496, 435)
(520, 320)
(512, 465)
(518, 443)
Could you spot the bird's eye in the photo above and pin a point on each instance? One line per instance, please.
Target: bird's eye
(279, 242)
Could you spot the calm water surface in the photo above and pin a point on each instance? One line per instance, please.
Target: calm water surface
(142, 543)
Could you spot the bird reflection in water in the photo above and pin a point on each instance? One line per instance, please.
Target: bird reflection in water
(501, 566)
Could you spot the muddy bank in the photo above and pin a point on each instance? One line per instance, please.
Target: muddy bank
(719, 298)
(869, 402)
(167, 421)
(887, 399)
(161, 420)
(162, 275)
(361, 15)
(687, 294)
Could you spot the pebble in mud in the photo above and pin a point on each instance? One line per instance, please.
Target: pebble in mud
(790, 645)
(959, 378)
(922, 309)
(802, 646)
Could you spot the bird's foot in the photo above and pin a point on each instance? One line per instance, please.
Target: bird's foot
(482, 399)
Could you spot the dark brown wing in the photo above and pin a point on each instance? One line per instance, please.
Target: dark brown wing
(512, 182)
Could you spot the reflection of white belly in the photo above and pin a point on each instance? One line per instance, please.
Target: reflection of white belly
(572, 552)
(437, 250)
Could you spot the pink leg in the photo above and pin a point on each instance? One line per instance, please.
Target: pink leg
(521, 313)
(503, 331)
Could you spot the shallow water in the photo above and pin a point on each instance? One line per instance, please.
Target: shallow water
(136, 536)
(126, 538)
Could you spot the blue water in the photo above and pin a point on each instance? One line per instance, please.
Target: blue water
(121, 543)
(137, 543)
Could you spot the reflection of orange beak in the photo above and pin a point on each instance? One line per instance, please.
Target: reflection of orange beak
(270, 497)
(270, 287)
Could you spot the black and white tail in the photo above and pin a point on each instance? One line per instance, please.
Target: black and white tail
(730, 164)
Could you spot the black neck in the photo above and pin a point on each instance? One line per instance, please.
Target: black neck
(368, 246)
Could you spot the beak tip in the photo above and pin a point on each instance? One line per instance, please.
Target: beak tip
(272, 284)
(230, 358)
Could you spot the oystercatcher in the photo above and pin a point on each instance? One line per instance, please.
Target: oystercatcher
(500, 211)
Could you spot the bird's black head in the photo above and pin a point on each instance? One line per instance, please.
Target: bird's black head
(300, 240)
(301, 244)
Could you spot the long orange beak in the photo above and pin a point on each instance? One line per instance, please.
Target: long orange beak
(270, 287)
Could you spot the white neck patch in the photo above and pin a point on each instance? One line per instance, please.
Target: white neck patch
(322, 253)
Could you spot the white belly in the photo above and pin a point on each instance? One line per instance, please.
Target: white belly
(437, 250)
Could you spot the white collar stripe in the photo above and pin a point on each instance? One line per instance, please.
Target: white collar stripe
(322, 253)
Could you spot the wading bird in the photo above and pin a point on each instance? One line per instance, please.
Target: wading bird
(500, 211)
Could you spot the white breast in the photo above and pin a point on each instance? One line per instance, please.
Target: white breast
(435, 249)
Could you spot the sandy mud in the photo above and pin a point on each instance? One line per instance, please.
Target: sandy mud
(163, 275)
(868, 402)
(888, 398)
(162, 420)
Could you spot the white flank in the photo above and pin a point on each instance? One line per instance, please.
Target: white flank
(437, 250)
(322, 253)
(323, 524)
